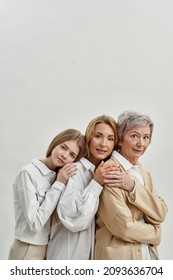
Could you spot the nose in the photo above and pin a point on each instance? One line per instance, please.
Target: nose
(140, 141)
(103, 142)
(65, 154)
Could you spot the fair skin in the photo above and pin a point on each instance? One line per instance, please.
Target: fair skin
(133, 146)
(63, 156)
(135, 143)
(101, 146)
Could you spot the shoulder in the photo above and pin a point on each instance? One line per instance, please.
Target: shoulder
(24, 174)
(31, 170)
(111, 161)
(146, 174)
(144, 169)
(28, 168)
(84, 163)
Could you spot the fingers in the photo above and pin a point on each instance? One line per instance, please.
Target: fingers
(101, 164)
(66, 172)
(113, 175)
(113, 179)
(70, 170)
(108, 168)
(122, 181)
(113, 184)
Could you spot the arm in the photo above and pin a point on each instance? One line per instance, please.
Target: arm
(147, 200)
(35, 213)
(79, 201)
(117, 216)
(143, 197)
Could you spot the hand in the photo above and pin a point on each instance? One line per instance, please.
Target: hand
(66, 172)
(104, 173)
(119, 179)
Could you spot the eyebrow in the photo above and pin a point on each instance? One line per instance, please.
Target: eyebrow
(112, 135)
(146, 134)
(69, 149)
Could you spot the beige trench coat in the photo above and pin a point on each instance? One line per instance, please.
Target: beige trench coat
(119, 230)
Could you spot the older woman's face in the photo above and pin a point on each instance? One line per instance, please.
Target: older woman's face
(135, 143)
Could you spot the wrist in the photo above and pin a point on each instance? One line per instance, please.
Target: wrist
(132, 190)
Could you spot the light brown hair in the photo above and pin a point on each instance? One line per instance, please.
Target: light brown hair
(70, 135)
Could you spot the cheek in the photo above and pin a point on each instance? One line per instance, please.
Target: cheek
(55, 151)
(145, 147)
(129, 146)
(70, 160)
(92, 144)
(111, 146)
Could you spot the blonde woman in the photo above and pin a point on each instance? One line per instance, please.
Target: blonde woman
(73, 228)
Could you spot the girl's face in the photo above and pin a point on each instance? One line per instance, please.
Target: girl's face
(135, 142)
(65, 152)
(102, 143)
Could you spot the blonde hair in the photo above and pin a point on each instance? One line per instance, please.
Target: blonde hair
(89, 133)
(70, 135)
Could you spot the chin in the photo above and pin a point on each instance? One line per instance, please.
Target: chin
(102, 157)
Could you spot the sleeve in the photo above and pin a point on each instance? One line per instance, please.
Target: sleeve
(35, 213)
(117, 217)
(79, 203)
(147, 200)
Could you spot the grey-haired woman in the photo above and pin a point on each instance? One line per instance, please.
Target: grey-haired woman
(128, 223)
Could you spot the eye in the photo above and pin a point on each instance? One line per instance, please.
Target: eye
(134, 136)
(73, 155)
(111, 138)
(147, 137)
(97, 136)
(63, 147)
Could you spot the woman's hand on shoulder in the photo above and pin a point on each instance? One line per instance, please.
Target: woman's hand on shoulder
(112, 175)
(66, 172)
(120, 179)
(105, 173)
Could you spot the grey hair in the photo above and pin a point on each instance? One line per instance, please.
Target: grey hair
(130, 119)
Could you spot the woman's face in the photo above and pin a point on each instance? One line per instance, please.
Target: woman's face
(102, 143)
(135, 142)
(65, 152)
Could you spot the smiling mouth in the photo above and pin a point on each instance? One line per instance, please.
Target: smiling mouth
(137, 151)
(101, 151)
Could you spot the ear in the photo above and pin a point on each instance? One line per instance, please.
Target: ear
(120, 143)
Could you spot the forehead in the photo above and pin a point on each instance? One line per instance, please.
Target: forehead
(141, 129)
(104, 128)
(72, 145)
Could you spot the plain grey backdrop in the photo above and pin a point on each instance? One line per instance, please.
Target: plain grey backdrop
(63, 62)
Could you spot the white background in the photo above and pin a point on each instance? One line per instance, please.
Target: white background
(63, 62)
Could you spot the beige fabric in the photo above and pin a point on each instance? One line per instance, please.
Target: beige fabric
(119, 230)
(25, 251)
